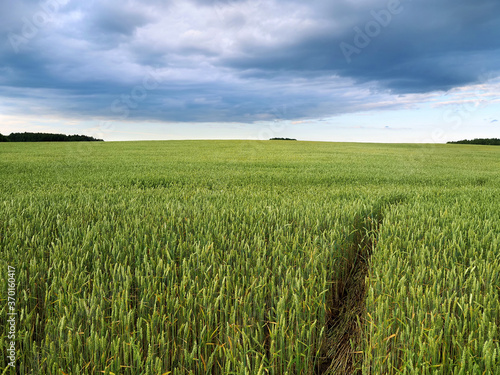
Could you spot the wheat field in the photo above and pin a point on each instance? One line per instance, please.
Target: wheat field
(251, 257)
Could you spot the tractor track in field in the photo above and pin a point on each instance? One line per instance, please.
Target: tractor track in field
(342, 354)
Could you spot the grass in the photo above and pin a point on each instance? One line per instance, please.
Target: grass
(246, 257)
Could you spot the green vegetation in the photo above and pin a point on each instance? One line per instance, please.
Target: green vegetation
(3, 138)
(434, 291)
(47, 137)
(479, 141)
(248, 257)
(282, 139)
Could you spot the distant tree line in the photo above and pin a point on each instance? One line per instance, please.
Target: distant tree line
(479, 141)
(282, 139)
(46, 137)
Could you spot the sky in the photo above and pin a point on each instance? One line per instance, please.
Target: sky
(423, 71)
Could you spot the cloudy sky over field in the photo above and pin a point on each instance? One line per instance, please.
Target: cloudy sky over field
(346, 70)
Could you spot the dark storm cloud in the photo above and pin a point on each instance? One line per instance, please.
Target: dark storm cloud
(238, 60)
(116, 20)
(403, 45)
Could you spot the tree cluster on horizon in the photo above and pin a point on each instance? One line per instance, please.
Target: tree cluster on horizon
(478, 141)
(46, 137)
